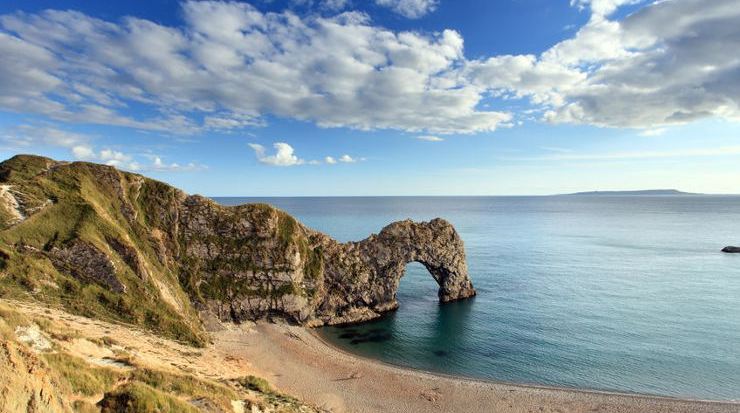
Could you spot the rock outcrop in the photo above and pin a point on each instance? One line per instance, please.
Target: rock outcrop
(361, 278)
(26, 383)
(102, 241)
(734, 250)
(253, 261)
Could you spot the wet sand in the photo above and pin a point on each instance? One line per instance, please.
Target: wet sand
(299, 363)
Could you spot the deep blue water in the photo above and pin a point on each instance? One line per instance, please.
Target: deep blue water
(626, 293)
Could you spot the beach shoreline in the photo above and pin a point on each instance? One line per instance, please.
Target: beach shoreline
(441, 375)
(300, 362)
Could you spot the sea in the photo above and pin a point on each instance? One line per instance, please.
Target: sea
(617, 293)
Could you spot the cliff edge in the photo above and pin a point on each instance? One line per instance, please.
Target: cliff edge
(116, 245)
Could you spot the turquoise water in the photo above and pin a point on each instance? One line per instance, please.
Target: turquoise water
(612, 293)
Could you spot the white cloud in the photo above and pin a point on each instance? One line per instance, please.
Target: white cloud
(283, 156)
(429, 138)
(653, 132)
(113, 157)
(25, 135)
(335, 4)
(83, 152)
(602, 8)
(230, 65)
(230, 59)
(229, 121)
(107, 156)
(159, 165)
(664, 64)
(413, 9)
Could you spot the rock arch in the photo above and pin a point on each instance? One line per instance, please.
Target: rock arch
(362, 278)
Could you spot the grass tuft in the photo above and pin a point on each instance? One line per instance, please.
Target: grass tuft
(138, 397)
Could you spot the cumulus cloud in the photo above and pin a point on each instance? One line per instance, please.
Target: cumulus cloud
(429, 138)
(664, 64)
(83, 152)
(230, 59)
(231, 65)
(108, 156)
(158, 164)
(667, 63)
(283, 156)
(413, 9)
(602, 8)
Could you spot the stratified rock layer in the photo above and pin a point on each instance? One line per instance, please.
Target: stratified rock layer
(361, 278)
(253, 261)
(117, 244)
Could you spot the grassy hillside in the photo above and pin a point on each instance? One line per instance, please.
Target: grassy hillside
(118, 246)
(83, 244)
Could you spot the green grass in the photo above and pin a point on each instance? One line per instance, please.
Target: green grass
(81, 406)
(255, 383)
(184, 385)
(88, 380)
(280, 402)
(12, 318)
(138, 397)
(82, 378)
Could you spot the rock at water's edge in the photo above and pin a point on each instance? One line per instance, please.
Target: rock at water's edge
(731, 249)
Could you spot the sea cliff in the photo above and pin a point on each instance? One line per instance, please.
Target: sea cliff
(117, 245)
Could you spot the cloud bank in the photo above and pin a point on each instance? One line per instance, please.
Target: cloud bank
(229, 66)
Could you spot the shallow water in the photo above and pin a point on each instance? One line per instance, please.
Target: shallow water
(608, 292)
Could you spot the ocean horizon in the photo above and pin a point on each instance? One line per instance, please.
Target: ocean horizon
(614, 293)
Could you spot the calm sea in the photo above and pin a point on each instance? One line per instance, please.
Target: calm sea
(627, 293)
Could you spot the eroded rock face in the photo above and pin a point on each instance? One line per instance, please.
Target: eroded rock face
(253, 261)
(246, 262)
(362, 278)
(153, 247)
(85, 262)
(26, 382)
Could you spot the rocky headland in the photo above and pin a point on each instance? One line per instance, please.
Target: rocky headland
(140, 250)
(90, 240)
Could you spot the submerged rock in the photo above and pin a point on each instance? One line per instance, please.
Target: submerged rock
(731, 249)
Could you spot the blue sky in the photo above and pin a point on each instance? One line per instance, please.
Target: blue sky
(382, 97)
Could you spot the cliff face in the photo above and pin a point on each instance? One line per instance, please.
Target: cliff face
(104, 242)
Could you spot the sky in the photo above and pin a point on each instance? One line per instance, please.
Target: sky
(380, 97)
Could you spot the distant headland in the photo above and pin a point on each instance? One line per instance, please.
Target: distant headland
(646, 192)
